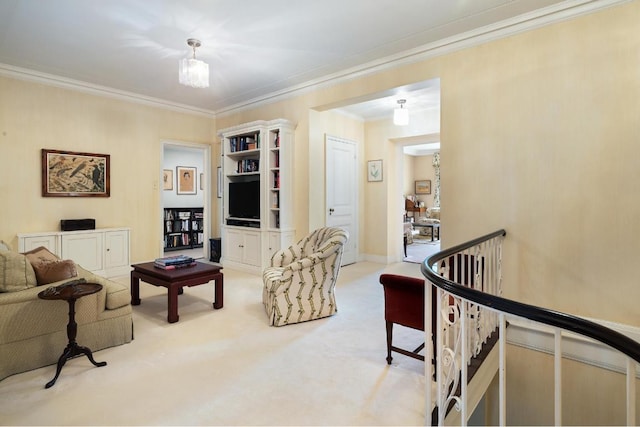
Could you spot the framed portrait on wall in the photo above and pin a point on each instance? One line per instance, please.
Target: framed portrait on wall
(186, 179)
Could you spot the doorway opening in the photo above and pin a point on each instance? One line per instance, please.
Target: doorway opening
(185, 206)
(419, 188)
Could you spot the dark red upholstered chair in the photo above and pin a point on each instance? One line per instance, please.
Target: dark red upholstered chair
(404, 305)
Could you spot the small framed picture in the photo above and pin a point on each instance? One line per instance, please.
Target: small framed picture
(186, 179)
(167, 179)
(374, 170)
(423, 187)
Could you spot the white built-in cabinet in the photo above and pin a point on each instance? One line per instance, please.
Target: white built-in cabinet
(105, 251)
(260, 151)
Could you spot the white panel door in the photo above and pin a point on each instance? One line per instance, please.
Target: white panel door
(342, 192)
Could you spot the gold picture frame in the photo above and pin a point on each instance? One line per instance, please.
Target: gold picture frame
(423, 186)
(75, 174)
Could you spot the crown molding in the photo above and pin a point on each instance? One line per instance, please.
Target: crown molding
(526, 22)
(539, 18)
(92, 89)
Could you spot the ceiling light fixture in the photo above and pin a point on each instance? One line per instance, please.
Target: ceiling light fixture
(400, 114)
(193, 72)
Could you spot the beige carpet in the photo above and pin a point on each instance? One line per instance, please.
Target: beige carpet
(227, 367)
(421, 248)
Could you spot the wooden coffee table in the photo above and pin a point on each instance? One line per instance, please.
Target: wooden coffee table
(174, 281)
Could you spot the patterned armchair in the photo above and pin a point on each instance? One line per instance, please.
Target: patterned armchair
(299, 285)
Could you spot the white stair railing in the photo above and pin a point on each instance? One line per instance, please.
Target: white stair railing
(469, 286)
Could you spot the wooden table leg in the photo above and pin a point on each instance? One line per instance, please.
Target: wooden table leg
(135, 289)
(405, 245)
(218, 301)
(172, 303)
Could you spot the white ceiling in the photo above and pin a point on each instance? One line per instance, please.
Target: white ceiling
(256, 49)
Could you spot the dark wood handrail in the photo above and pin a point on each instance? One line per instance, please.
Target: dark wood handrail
(568, 322)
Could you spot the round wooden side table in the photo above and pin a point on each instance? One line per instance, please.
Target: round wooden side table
(71, 292)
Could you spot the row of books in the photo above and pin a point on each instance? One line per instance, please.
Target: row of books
(176, 226)
(175, 240)
(248, 165)
(170, 214)
(173, 262)
(242, 143)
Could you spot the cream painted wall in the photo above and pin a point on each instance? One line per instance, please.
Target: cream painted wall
(407, 175)
(35, 116)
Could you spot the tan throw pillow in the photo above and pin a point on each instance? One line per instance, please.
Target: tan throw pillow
(16, 273)
(40, 255)
(55, 271)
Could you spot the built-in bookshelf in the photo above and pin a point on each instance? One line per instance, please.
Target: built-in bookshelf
(183, 228)
(257, 159)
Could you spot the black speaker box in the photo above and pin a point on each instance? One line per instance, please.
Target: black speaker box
(215, 249)
(77, 224)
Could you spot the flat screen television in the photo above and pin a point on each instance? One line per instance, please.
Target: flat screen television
(244, 199)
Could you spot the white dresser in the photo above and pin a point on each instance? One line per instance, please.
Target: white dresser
(104, 251)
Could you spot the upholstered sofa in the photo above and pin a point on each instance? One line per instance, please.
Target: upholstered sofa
(299, 285)
(33, 332)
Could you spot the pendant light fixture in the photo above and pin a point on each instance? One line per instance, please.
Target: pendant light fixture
(400, 114)
(192, 72)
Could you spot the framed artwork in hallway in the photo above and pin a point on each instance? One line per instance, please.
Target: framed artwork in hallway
(423, 187)
(374, 170)
(186, 178)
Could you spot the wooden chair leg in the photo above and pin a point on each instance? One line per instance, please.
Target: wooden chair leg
(389, 339)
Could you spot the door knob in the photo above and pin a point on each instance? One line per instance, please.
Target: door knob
(331, 211)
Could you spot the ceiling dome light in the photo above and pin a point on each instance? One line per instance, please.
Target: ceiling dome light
(400, 114)
(192, 72)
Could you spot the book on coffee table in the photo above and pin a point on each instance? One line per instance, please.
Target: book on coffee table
(173, 262)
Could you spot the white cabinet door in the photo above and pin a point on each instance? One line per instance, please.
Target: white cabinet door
(273, 246)
(242, 247)
(116, 249)
(252, 248)
(234, 245)
(84, 249)
(49, 241)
